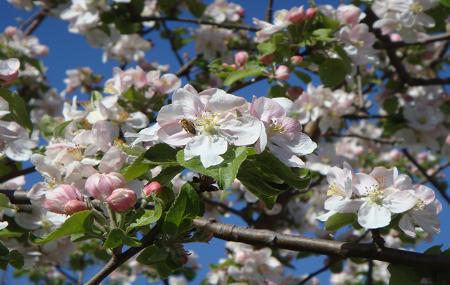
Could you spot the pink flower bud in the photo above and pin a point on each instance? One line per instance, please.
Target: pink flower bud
(121, 200)
(241, 11)
(311, 13)
(296, 59)
(282, 73)
(266, 59)
(9, 70)
(10, 31)
(152, 187)
(100, 186)
(294, 92)
(241, 58)
(74, 206)
(447, 140)
(296, 15)
(57, 199)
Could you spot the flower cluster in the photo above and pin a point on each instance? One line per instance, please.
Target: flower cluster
(380, 195)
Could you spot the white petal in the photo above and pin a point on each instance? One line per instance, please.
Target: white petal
(209, 148)
(242, 131)
(406, 224)
(400, 201)
(364, 184)
(221, 102)
(373, 216)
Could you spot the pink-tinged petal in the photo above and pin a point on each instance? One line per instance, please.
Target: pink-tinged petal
(400, 201)
(209, 148)
(9, 70)
(300, 143)
(261, 143)
(190, 104)
(373, 216)
(384, 176)
(286, 157)
(406, 224)
(242, 131)
(403, 182)
(424, 193)
(428, 219)
(266, 109)
(364, 184)
(173, 134)
(222, 102)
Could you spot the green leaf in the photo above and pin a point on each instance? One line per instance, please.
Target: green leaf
(152, 254)
(249, 71)
(277, 91)
(78, 223)
(149, 217)
(303, 76)
(185, 206)
(161, 154)
(17, 107)
(4, 202)
(196, 7)
(339, 220)
(224, 173)
(390, 105)
(16, 259)
(323, 35)
(167, 174)
(59, 130)
(332, 72)
(117, 237)
(267, 47)
(445, 3)
(138, 168)
(403, 275)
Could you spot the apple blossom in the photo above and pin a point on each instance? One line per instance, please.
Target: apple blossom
(121, 200)
(282, 73)
(206, 123)
(221, 11)
(9, 70)
(64, 199)
(296, 15)
(296, 59)
(349, 14)
(281, 134)
(100, 185)
(311, 13)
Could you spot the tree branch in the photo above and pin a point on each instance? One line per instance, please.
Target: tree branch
(187, 67)
(199, 22)
(424, 41)
(173, 47)
(36, 22)
(429, 178)
(17, 173)
(321, 246)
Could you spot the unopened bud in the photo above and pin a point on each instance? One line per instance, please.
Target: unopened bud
(9, 70)
(100, 186)
(296, 59)
(10, 31)
(294, 92)
(74, 206)
(153, 187)
(64, 195)
(121, 200)
(296, 15)
(241, 58)
(282, 73)
(311, 13)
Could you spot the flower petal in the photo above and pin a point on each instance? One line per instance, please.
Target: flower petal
(373, 216)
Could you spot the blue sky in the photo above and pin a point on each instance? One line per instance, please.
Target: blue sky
(69, 51)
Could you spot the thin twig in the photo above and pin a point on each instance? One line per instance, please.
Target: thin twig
(437, 171)
(66, 275)
(429, 178)
(229, 209)
(187, 67)
(424, 41)
(269, 11)
(36, 22)
(369, 280)
(199, 22)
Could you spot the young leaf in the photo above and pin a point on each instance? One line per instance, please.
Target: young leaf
(224, 173)
(332, 72)
(152, 254)
(80, 222)
(17, 107)
(339, 220)
(249, 71)
(149, 217)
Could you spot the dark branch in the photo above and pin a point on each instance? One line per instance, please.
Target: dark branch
(17, 173)
(226, 208)
(321, 246)
(36, 22)
(427, 40)
(171, 38)
(269, 11)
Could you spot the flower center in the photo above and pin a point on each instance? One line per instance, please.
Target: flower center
(420, 205)
(275, 128)
(416, 8)
(376, 195)
(122, 117)
(335, 190)
(208, 122)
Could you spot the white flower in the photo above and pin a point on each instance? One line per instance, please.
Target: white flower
(9, 70)
(405, 17)
(423, 117)
(221, 11)
(83, 15)
(384, 193)
(280, 21)
(281, 134)
(358, 43)
(15, 142)
(424, 214)
(211, 41)
(4, 107)
(206, 123)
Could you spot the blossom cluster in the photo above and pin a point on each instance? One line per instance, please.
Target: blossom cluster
(379, 196)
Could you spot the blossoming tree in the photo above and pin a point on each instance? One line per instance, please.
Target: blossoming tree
(347, 146)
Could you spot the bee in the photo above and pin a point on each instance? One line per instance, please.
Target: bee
(188, 126)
